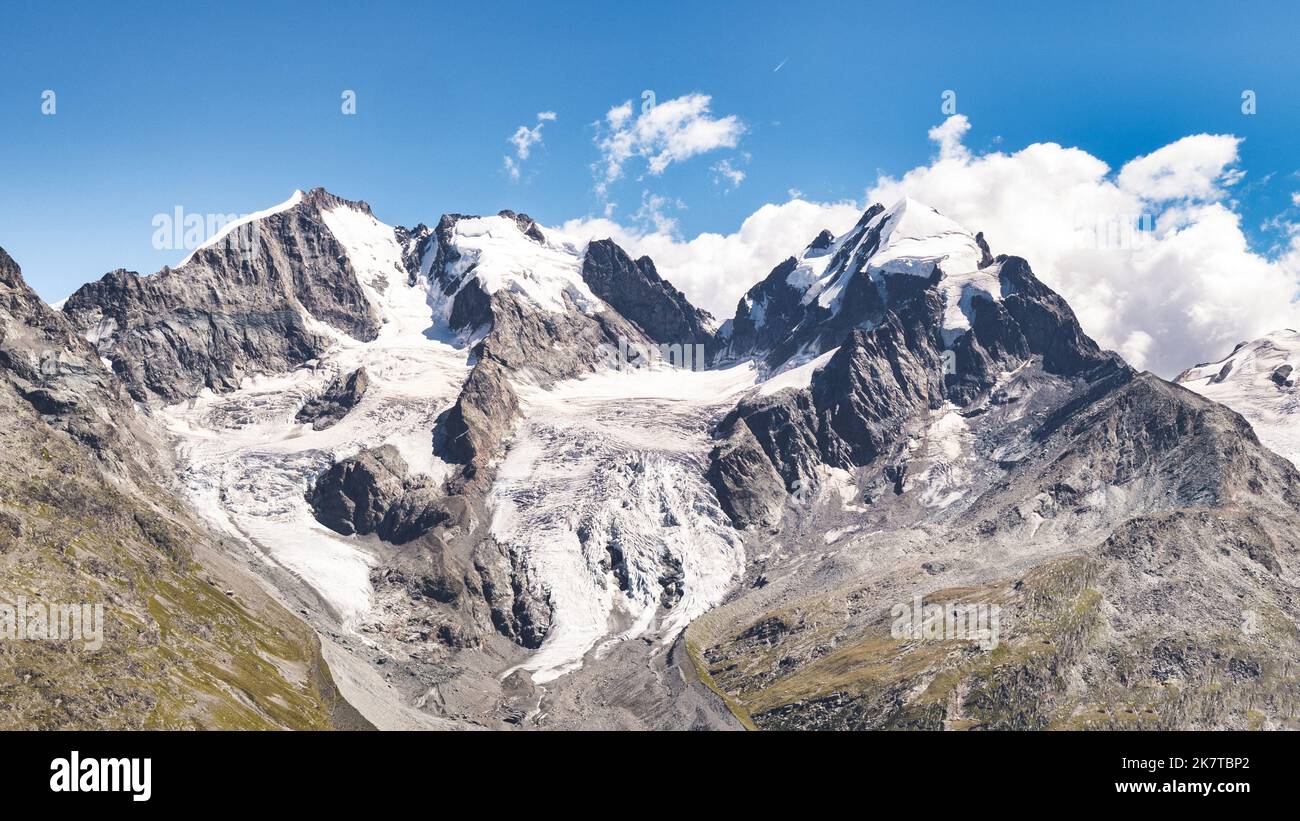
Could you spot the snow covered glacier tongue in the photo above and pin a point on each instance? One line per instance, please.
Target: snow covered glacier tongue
(598, 493)
(602, 494)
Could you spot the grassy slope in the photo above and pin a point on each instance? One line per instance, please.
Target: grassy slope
(178, 651)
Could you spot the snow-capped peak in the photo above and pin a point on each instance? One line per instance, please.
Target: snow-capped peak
(1261, 381)
(500, 253)
(915, 236)
(909, 238)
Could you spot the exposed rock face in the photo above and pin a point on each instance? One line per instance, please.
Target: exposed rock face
(635, 290)
(749, 488)
(371, 493)
(516, 613)
(58, 373)
(339, 397)
(86, 518)
(246, 303)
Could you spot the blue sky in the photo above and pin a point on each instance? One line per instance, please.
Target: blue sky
(229, 108)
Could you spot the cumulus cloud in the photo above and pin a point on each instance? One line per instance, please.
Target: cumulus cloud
(1152, 259)
(672, 131)
(949, 134)
(724, 173)
(715, 270)
(1194, 167)
(523, 140)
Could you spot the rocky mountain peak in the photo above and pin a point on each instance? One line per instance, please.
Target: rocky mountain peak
(808, 303)
(265, 293)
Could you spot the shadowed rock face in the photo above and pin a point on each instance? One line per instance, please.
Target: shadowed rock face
(371, 493)
(339, 397)
(636, 291)
(242, 305)
(858, 407)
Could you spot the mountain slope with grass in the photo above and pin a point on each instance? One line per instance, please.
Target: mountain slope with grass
(188, 641)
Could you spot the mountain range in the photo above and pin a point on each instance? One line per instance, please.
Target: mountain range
(333, 473)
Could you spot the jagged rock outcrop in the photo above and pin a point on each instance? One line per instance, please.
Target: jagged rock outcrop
(59, 374)
(781, 317)
(339, 397)
(372, 493)
(635, 290)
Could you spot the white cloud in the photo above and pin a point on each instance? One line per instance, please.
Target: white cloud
(728, 174)
(523, 140)
(715, 270)
(653, 213)
(949, 135)
(1194, 167)
(672, 131)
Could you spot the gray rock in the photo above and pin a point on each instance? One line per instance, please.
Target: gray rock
(372, 493)
(339, 397)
